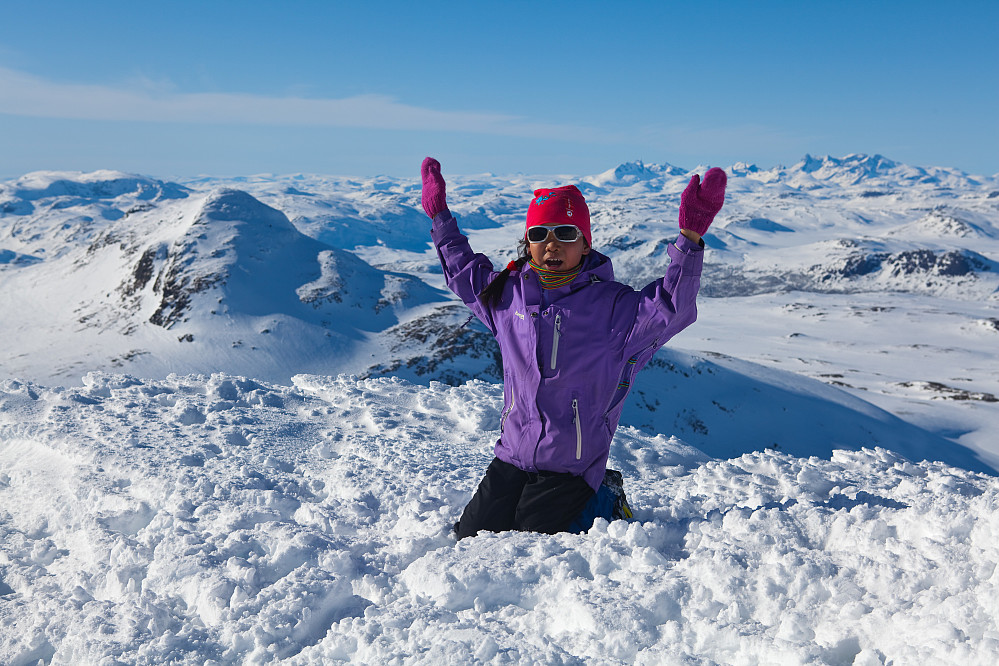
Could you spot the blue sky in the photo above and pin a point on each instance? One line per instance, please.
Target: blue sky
(175, 89)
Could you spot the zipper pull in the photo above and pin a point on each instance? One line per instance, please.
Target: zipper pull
(579, 428)
(555, 337)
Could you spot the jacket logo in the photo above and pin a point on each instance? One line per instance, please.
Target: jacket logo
(518, 314)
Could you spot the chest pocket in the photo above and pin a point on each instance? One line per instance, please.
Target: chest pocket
(517, 334)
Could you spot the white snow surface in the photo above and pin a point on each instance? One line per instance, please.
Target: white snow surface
(225, 520)
(223, 438)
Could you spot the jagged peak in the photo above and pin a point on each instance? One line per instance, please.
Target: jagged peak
(742, 169)
(856, 168)
(871, 163)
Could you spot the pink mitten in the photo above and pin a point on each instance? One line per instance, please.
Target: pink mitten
(434, 196)
(701, 201)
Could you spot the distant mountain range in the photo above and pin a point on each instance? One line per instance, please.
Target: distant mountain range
(811, 172)
(269, 277)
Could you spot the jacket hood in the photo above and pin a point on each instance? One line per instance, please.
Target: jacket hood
(598, 265)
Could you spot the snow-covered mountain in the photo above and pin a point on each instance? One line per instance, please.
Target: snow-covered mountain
(268, 276)
(869, 172)
(803, 460)
(875, 169)
(157, 278)
(633, 173)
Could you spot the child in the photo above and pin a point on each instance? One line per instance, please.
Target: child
(571, 339)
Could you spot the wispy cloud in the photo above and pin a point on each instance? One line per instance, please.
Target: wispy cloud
(31, 96)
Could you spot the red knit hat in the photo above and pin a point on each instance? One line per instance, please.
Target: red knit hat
(561, 205)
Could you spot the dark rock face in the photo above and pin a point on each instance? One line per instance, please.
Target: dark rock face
(439, 346)
(142, 274)
(861, 264)
(960, 263)
(900, 271)
(176, 289)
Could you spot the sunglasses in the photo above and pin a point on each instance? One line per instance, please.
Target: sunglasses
(565, 233)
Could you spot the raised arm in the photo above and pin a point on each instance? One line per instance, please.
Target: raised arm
(466, 273)
(669, 304)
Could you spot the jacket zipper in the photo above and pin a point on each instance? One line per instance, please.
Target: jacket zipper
(555, 337)
(506, 414)
(579, 428)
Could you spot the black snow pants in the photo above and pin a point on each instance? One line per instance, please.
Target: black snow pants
(508, 498)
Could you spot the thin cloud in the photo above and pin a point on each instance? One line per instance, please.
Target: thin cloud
(31, 96)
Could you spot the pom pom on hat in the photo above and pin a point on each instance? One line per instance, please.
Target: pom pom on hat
(561, 205)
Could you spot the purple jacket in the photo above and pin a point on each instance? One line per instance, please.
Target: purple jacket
(569, 356)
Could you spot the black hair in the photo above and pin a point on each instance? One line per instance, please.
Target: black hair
(491, 294)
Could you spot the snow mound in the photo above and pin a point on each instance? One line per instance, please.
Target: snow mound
(726, 406)
(940, 223)
(219, 519)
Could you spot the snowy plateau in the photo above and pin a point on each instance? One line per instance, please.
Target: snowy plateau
(238, 417)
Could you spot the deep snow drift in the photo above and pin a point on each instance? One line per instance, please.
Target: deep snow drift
(218, 520)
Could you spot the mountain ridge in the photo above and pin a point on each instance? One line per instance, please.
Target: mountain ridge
(237, 276)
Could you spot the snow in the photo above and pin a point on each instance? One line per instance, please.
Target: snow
(812, 465)
(220, 519)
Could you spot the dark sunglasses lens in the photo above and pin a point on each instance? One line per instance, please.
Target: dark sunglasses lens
(537, 234)
(566, 233)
